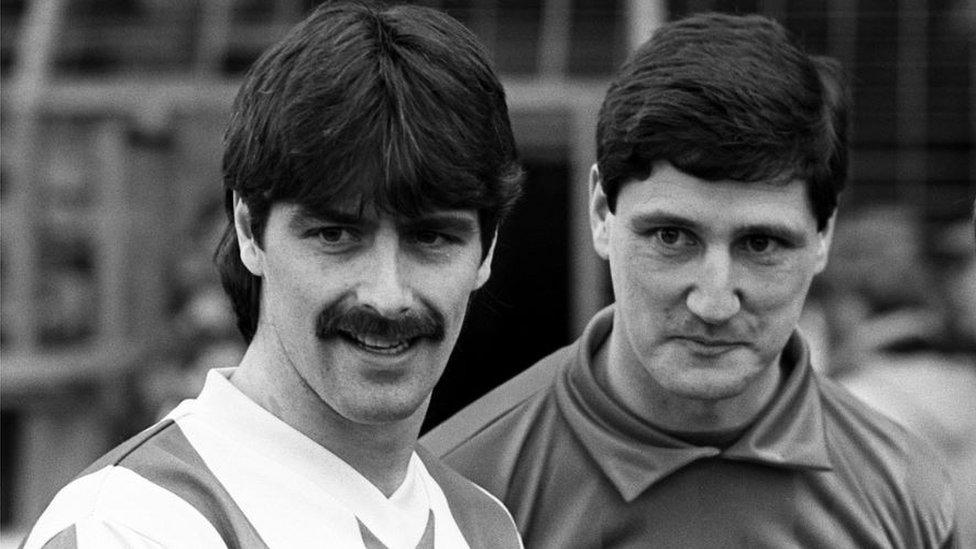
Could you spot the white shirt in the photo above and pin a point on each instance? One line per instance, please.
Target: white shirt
(293, 491)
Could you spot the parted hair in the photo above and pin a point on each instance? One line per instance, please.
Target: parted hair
(725, 97)
(396, 107)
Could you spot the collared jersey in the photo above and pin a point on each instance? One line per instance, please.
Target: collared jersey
(817, 469)
(220, 471)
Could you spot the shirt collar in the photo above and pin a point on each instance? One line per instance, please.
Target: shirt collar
(634, 455)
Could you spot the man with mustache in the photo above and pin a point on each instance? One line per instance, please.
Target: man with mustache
(688, 414)
(367, 164)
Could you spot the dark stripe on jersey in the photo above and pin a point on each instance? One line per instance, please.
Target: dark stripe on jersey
(164, 456)
(484, 523)
(65, 539)
(427, 540)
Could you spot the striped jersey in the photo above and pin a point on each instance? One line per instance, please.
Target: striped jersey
(220, 471)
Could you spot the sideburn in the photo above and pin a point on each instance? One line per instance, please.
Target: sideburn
(242, 287)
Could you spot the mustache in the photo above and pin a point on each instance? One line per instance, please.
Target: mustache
(338, 319)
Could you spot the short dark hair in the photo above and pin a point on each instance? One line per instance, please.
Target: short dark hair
(727, 97)
(397, 108)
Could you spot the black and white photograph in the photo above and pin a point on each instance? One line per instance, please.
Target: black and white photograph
(488, 274)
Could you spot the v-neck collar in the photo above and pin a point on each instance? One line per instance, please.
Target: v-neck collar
(295, 456)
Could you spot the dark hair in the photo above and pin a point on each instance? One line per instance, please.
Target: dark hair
(396, 107)
(727, 97)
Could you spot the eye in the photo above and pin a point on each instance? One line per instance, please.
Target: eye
(673, 238)
(669, 236)
(429, 238)
(438, 232)
(759, 244)
(331, 234)
(764, 245)
(334, 235)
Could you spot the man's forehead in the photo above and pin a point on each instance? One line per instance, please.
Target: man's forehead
(669, 192)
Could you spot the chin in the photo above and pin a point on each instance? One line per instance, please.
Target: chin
(714, 381)
(384, 411)
(710, 390)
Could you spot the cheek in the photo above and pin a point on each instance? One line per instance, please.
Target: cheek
(448, 289)
(781, 292)
(298, 290)
(643, 285)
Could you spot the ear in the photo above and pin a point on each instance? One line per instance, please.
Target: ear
(484, 271)
(600, 216)
(251, 254)
(826, 236)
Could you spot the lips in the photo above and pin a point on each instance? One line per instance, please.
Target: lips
(377, 345)
(707, 346)
(712, 342)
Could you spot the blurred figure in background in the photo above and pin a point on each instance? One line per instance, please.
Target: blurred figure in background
(877, 293)
(367, 165)
(908, 346)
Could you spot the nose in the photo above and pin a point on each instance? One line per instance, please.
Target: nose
(382, 286)
(714, 297)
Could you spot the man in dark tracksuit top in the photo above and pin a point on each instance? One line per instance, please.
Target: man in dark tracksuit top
(367, 164)
(688, 414)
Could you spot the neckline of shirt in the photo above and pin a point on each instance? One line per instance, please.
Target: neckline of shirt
(634, 454)
(251, 429)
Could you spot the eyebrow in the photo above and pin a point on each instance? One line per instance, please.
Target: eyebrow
(776, 230)
(445, 221)
(781, 232)
(304, 216)
(656, 217)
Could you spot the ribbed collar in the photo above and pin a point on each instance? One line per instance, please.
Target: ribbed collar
(634, 455)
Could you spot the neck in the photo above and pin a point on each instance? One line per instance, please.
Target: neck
(624, 377)
(379, 452)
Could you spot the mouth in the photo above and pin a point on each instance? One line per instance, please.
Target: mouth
(710, 346)
(376, 345)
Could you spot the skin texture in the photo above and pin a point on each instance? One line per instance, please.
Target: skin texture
(710, 279)
(365, 405)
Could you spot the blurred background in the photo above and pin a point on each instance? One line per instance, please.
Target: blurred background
(111, 119)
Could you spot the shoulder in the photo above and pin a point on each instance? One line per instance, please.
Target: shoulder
(850, 419)
(503, 405)
(483, 519)
(893, 466)
(144, 486)
(457, 487)
(488, 441)
(114, 506)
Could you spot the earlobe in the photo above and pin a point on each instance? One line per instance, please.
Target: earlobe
(251, 254)
(600, 216)
(484, 271)
(826, 236)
